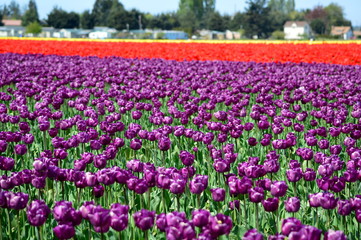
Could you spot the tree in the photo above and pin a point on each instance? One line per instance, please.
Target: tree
(87, 20)
(31, 14)
(237, 21)
(165, 21)
(101, 11)
(33, 28)
(14, 10)
(335, 16)
(59, 18)
(215, 22)
(279, 12)
(116, 15)
(187, 18)
(318, 26)
(318, 19)
(1, 19)
(256, 19)
(198, 10)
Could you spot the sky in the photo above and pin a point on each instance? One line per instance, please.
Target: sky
(351, 7)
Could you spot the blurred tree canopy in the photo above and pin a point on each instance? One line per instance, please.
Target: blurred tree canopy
(31, 14)
(58, 18)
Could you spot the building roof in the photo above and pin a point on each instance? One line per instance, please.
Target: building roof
(339, 30)
(8, 22)
(297, 23)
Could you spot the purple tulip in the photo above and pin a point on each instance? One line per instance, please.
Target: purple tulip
(144, 219)
(220, 225)
(64, 231)
(136, 144)
(119, 216)
(290, 225)
(328, 201)
(20, 149)
(279, 188)
(100, 219)
(164, 144)
(344, 207)
(256, 194)
(218, 194)
(294, 175)
(198, 184)
(334, 235)
(309, 175)
(292, 204)
(252, 234)
(187, 158)
(17, 201)
(98, 191)
(177, 186)
(200, 217)
(270, 204)
(37, 212)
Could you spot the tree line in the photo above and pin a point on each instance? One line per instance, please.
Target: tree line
(261, 17)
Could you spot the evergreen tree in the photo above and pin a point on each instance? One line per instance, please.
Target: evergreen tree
(31, 14)
(101, 11)
(257, 19)
(14, 10)
(117, 15)
(187, 17)
(87, 20)
(59, 18)
(237, 22)
(215, 22)
(1, 19)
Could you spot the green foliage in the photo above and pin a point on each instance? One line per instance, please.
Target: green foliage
(187, 18)
(101, 10)
(278, 35)
(215, 22)
(87, 20)
(31, 14)
(116, 14)
(59, 18)
(165, 21)
(33, 28)
(195, 14)
(323, 18)
(237, 21)
(257, 19)
(1, 19)
(11, 11)
(318, 26)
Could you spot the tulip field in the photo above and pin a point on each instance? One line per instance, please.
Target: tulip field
(180, 140)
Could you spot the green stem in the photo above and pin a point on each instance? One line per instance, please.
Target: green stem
(90, 231)
(256, 217)
(19, 228)
(178, 202)
(146, 235)
(163, 201)
(39, 233)
(148, 195)
(199, 201)
(245, 210)
(1, 229)
(8, 219)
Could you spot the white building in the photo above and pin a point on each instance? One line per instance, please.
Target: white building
(297, 30)
(102, 33)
